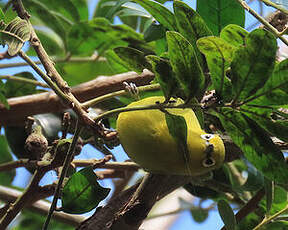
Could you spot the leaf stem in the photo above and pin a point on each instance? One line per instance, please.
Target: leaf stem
(146, 107)
(64, 171)
(267, 220)
(97, 100)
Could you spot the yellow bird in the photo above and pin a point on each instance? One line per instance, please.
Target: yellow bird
(145, 137)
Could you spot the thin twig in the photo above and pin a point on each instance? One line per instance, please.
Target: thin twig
(60, 86)
(64, 171)
(147, 107)
(97, 100)
(276, 6)
(267, 220)
(23, 200)
(263, 21)
(41, 207)
(55, 60)
(24, 80)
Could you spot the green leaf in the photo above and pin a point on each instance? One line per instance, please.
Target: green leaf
(17, 89)
(227, 215)
(190, 25)
(2, 15)
(115, 62)
(5, 156)
(218, 55)
(274, 92)
(277, 225)
(78, 72)
(219, 13)
(134, 58)
(55, 21)
(256, 144)
(199, 214)
(99, 34)
(255, 179)
(52, 42)
(164, 75)
(15, 34)
(277, 128)
(278, 201)
(253, 64)
(160, 13)
(154, 32)
(269, 191)
(185, 64)
(234, 35)
(178, 130)
(31, 220)
(82, 193)
(3, 99)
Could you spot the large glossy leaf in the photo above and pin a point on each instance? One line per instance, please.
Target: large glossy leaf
(275, 91)
(257, 146)
(219, 13)
(134, 58)
(82, 193)
(190, 25)
(253, 64)
(160, 13)
(234, 35)
(218, 55)
(5, 156)
(164, 75)
(185, 64)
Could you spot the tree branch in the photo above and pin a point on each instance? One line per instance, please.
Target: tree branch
(21, 107)
(10, 195)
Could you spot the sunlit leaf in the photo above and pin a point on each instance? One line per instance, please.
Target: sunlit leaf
(253, 64)
(234, 35)
(160, 13)
(219, 13)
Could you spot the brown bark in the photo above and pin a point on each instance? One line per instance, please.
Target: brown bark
(49, 102)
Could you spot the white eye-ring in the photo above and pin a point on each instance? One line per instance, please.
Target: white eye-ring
(207, 136)
(208, 162)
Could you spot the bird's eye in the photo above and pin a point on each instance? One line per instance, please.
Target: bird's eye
(207, 136)
(208, 162)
